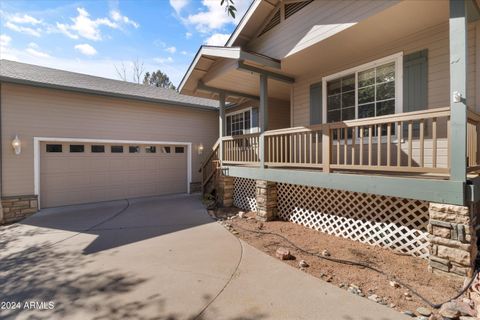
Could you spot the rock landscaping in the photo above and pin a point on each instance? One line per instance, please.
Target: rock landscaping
(357, 280)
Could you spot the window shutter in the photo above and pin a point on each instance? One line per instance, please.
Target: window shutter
(316, 103)
(415, 81)
(254, 116)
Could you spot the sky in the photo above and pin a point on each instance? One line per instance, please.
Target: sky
(95, 36)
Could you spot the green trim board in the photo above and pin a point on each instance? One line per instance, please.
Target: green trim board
(441, 191)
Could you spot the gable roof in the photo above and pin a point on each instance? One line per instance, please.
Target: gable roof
(23, 73)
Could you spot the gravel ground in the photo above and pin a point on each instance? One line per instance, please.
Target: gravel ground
(410, 270)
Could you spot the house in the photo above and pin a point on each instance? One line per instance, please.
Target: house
(69, 138)
(383, 100)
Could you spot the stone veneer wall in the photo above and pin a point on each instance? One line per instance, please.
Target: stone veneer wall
(18, 207)
(225, 190)
(453, 240)
(266, 196)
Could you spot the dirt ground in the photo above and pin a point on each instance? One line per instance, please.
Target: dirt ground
(407, 269)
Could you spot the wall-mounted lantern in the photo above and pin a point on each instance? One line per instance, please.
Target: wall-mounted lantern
(200, 149)
(17, 145)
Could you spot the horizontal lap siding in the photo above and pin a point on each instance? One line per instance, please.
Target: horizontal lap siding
(29, 112)
(327, 17)
(434, 39)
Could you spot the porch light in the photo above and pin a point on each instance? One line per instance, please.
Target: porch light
(17, 145)
(200, 149)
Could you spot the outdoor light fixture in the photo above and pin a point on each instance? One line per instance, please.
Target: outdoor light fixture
(17, 145)
(200, 149)
(457, 97)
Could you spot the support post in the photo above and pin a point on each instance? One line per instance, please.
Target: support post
(221, 125)
(263, 117)
(326, 151)
(458, 89)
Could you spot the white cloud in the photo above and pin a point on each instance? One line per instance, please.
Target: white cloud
(27, 30)
(118, 17)
(171, 49)
(217, 39)
(34, 50)
(86, 49)
(162, 60)
(24, 19)
(188, 35)
(214, 17)
(178, 5)
(5, 40)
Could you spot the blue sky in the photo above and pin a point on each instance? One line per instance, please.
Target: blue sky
(95, 36)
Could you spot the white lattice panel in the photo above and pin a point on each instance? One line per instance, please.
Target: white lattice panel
(396, 223)
(244, 194)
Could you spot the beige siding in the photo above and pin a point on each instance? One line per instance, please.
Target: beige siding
(314, 23)
(29, 111)
(435, 39)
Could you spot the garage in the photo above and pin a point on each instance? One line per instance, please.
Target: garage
(76, 172)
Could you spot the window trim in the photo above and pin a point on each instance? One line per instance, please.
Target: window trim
(250, 109)
(397, 58)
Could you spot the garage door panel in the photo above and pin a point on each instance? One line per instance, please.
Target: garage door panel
(71, 178)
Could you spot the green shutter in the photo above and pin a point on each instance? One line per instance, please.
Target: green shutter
(415, 81)
(316, 103)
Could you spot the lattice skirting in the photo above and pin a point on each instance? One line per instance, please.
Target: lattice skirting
(244, 194)
(396, 223)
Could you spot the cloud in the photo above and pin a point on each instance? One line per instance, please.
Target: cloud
(214, 17)
(118, 17)
(34, 50)
(178, 5)
(171, 49)
(5, 40)
(86, 27)
(86, 49)
(24, 19)
(26, 30)
(162, 60)
(188, 35)
(217, 39)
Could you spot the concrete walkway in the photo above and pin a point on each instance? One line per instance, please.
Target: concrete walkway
(156, 258)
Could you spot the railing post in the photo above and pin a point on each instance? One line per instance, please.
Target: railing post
(458, 84)
(221, 125)
(326, 151)
(263, 117)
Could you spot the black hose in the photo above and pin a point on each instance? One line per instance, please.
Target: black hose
(367, 266)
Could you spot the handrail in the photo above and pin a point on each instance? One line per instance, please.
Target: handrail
(214, 149)
(240, 136)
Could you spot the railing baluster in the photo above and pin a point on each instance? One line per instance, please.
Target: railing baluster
(361, 145)
(410, 156)
(310, 147)
(316, 147)
(389, 144)
(295, 148)
(422, 143)
(326, 145)
(277, 154)
(354, 134)
(434, 142)
(370, 145)
(345, 146)
(449, 144)
(399, 143)
(304, 148)
(379, 145)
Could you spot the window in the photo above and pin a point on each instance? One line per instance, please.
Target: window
(165, 149)
(54, 148)
(77, 148)
(370, 90)
(97, 149)
(116, 149)
(134, 149)
(179, 150)
(239, 122)
(151, 149)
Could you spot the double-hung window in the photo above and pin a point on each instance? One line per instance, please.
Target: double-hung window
(373, 89)
(239, 122)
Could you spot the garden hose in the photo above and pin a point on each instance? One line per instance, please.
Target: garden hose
(367, 266)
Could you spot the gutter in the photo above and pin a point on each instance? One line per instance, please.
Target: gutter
(105, 93)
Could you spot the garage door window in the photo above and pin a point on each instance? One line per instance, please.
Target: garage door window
(54, 148)
(116, 149)
(151, 149)
(134, 149)
(75, 148)
(165, 149)
(179, 150)
(98, 149)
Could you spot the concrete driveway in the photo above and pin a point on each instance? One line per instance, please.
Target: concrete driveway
(155, 258)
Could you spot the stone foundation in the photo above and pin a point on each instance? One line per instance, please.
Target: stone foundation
(453, 242)
(18, 207)
(225, 190)
(266, 196)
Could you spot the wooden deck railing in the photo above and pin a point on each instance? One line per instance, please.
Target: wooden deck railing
(243, 149)
(210, 165)
(473, 141)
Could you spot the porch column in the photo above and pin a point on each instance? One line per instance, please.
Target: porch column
(263, 117)
(221, 125)
(458, 89)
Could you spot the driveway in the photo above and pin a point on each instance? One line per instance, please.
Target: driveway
(156, 258)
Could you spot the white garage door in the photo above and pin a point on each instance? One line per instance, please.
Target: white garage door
(74, 173)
